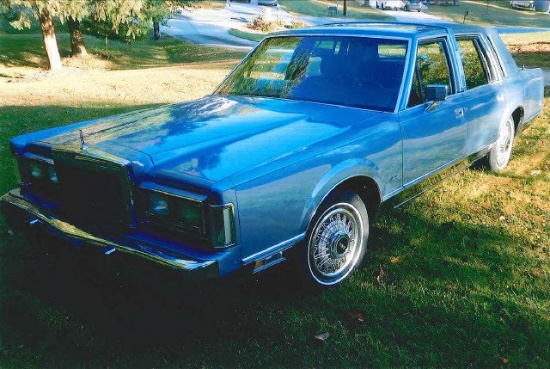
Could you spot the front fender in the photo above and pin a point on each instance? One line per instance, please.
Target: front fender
(351, 168)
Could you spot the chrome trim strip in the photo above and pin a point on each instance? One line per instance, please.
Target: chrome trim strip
(174, 191)
(43, 159)
(91, 154)
(138, 249)
(274, 249)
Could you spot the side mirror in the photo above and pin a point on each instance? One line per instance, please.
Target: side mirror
(436, 92)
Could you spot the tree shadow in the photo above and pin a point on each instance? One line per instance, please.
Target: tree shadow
(23, 51)
(26, 50)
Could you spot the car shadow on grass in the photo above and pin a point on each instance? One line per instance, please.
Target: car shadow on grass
(449, 298)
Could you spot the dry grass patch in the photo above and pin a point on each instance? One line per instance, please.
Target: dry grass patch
(73, 86)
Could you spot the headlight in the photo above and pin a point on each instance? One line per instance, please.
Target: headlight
(52, 174)
(178, 212)
(36, 169)
(158, 204)
(189, 213)
(42, 170)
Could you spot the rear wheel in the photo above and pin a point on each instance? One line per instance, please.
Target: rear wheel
(337, 239)
(500, 153)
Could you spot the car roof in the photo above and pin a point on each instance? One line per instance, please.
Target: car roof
(382, 29)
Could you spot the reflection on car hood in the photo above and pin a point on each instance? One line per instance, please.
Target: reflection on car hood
(218, 136)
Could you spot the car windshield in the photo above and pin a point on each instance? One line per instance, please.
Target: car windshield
(353, 71)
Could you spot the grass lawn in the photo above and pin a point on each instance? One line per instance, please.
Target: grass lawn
(318, 8)
(251, 36)
(496, 12)
(466, 266)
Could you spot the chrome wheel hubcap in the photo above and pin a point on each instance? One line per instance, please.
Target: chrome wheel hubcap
(339, 245)
(335, 243)
(504, 143)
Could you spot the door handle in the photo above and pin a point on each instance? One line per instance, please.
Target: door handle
(459, 113)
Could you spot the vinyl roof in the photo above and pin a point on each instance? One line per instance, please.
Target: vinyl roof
(398, 29)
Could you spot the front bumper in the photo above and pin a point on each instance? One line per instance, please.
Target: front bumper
(20, 212)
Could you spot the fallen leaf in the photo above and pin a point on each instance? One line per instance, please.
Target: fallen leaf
(380, 277)
(355, 316)
(503, 360)
(321, 338)
(394, 260)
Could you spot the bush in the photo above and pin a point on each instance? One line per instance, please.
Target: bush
(260, 23)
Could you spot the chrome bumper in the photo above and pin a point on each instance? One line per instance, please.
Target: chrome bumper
(19, 212)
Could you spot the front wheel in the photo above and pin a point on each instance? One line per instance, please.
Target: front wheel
(499, 155)
(337, 241)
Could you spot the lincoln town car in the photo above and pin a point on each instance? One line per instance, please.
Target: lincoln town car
(289, 159)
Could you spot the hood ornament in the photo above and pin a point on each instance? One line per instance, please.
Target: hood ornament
(83, 145)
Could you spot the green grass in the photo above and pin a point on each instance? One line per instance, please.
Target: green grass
(25, 50)
(251, 36)
(462, 286)
(318, 8)
(497, 13)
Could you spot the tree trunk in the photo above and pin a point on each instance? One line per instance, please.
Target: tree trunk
(50, 42)
(345, 8)
(106, 30)
(156, 30)
(77, 41)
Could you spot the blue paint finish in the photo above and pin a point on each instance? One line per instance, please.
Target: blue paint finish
(271, 161)
(432, 139)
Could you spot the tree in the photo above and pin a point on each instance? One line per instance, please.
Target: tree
(77, 40)
(74, 12)
(157, 12)
(44, 11)
(124, 19)
(345, 8)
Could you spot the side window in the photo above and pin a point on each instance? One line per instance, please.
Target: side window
(498, 62)
(474, 63)
(431, 67)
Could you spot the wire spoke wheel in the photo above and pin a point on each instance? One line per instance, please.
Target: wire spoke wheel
(337, 241)
(504, 144)
(500, 153)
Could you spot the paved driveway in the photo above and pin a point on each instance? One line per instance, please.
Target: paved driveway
(210, 27)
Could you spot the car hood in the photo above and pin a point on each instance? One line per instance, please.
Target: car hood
(217, 136)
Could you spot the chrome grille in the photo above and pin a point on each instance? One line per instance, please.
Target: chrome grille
(94, 194)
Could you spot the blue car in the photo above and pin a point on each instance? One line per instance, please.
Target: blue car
(290, 158)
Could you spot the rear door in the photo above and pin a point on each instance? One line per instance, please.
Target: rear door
(485, 101)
